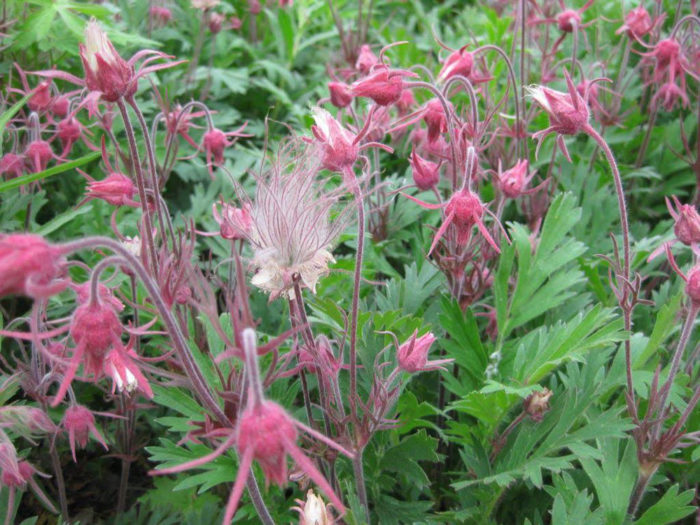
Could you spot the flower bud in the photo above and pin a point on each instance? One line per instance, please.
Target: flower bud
(366, 59)
(234, 222)
(39, 153)
(12, 165)
(426, 174)
(467, 209)
(41, 98)
(339, 150)
(215, 143)
(60, 105)
(692, 287)
(79, 422)
(512, 182)
(115, 189)
(105, 71)
(215, 22)
(29, 266)
(537, 404)
(341, 96)
(687, 226)
(459, 62)
(384, 87)
(568, 20)
(413, 354)
(637, 22)
(435, 119)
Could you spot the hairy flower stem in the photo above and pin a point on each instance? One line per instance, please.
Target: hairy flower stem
(639, 490)
(153, 169)
(127, 440)
(141, 184)
(58, 472)
(647, 137)
(182, 349)
(359, 471)
(627, 310)
(189, 76)
(676, 362)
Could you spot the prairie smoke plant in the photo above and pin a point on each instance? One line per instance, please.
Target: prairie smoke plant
(291, 225)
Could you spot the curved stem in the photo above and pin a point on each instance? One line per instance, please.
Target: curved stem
(182, 348)
(141, 184)
(626, 309)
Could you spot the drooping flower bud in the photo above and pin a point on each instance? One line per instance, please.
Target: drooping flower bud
(39, 153)
(568, 112)
(341, 96)
(426, 174)
(512, 182)
(412, 355)
(568, 20)
(41, 99)
(79, 422)
(435, 119)
(115, 189)
(266, 430)
(339, 149)
(692, 287)
(68, 131)
(12, 165)
(105, 71)
(29, 266)
(234, 222)
(366, 59)
(687, 226)
(215, 143)
(459, 62)
(160, 15)
(637, 23)
(384, 87)
(215, 21)
(467, 210)
(60, 105)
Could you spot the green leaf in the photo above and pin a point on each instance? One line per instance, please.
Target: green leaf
(7, 115)
(55, 170)
(671, 508)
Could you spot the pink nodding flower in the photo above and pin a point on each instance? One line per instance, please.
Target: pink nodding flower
(426, 174)
(692, 280)
(413, 354)
(669, 94)
(687, 226)
(568, 112)
(267, 434)
(41, 99)
(406, 102)
(215, 22)
(29, 266)
(435, 119)
(366, 59)
(234, 223)
(95, 329)
(39, 153)
(216, 141)
(120, 365)
(669, 60)
(12, 165)
(513, 182)
(637, 23)
(60, 105)
(340, 149)
(568, 20)
(341, 95)
(384, 86)
(235, 23)
(160, 15)
(79, 422)
(115, 189)
(464, 210)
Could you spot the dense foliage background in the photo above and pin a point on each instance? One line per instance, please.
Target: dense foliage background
(531, 421)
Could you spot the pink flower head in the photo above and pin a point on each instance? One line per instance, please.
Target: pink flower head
(341, 95)
(459, 62)
(69, 130)
(637, 23)
(235, 223)
(266, 430)
(513, 182)
(692, 288)
(41, 99)
(215, 21)
(406, 102)
(82, 292)
(160, 15)
(216, 141)
(568, 112)
(687, 226)
(29, 266)
(254, 7)
(79, 422)
(435, 119)
(95, 328)
(568, 20)
(12, 165)
(464, 210)
(413, 354)
(340, 149)
(120, 365)
(115, 189)
(366, 59)
(39, 153)
(235, 23)
(18, 478)
(384, 86)
(669, 60)
(105, 70)
(669, 94)
(426, 174)
(60, 105)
